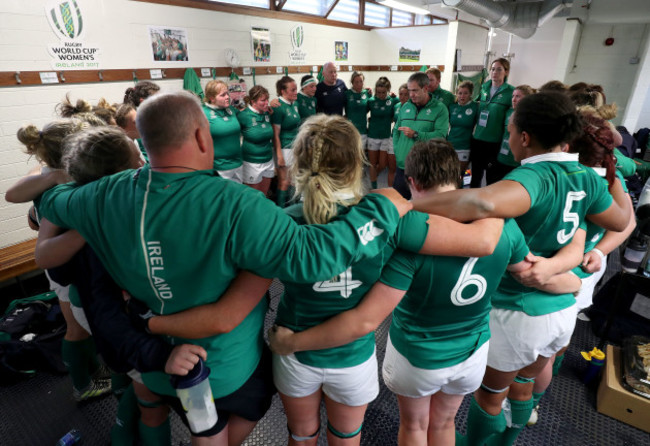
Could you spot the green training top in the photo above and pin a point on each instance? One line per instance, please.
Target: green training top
(462, 119)
(430, 121)
(505, 155)
(177, 240)
(257, 132)
(306, 106)
(288, 118)
(443, 318)
(493, 109)
(382, 112)
(226, 133)
(562, 191)
(444, 96)
(356, 109)
(138, 142)
(625, 165)
(306, 305)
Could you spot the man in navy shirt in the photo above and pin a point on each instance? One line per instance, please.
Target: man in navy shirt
(330, 94)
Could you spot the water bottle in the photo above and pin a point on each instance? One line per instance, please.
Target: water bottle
(644, 196)
(70, 438)
(195, 394)
(634, 253)
(596, 360)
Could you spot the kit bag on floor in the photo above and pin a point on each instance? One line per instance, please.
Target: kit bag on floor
(31, 331)
(629, 310)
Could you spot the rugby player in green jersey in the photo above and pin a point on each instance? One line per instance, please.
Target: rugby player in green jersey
(550, 195)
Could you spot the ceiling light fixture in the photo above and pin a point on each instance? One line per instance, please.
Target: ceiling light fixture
(404, 7)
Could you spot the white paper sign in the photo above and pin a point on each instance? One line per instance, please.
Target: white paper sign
(48, 77)
(156, 74)
(205, 72)
(279, 70)
(246, 71)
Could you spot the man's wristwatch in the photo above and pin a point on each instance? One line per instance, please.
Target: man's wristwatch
(415, 135)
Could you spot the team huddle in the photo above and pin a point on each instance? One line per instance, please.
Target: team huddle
(158, 233)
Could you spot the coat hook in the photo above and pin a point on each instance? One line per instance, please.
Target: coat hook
(164, 74)
(17, 76)
(101, 75)
(62, 76)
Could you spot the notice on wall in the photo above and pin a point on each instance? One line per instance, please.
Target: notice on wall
(71, 52)
(340, 50)
(261, 44)
(410, 52)
(169, 44)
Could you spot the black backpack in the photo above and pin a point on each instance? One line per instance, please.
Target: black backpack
(31, 331)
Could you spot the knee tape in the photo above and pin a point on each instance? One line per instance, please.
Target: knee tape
(342, 434)
(150, 404)
(298, 438)
(494, 391)
(523, 380)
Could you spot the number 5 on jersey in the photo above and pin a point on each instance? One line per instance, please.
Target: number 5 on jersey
(570, 217)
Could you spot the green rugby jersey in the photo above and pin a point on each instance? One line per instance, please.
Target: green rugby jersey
(306, 106)
(288, 118)
(138, 142)
(494, 109)
(356, 109)
(625, 165)
(257, 133)
(177, 240)
(443, 318)
(382, 112)
(444, 96)
(226, 133)
(462, 119)
(505, 155)
(562, 191)
(305, 305)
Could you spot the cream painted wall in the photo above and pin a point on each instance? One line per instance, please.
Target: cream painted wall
(25, 33)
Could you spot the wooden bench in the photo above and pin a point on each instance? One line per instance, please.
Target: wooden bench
(17, 259)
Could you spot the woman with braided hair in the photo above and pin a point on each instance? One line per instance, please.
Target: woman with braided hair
(328, 171)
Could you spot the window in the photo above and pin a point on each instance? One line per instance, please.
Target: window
(256, 3)
(346, 11)
(422, 19)
(377, 15)
(315, 7)
(402, 18)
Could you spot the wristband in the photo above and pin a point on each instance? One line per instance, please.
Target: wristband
(599, 252)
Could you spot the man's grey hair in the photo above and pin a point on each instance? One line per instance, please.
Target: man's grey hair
(421, 78)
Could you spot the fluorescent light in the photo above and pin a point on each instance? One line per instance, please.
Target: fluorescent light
(404, 7)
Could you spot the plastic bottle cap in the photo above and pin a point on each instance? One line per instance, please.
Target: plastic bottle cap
(199, 373)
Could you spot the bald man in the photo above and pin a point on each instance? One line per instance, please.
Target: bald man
(174, 235)
(330, 93)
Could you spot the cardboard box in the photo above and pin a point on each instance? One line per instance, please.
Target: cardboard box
(615, 401)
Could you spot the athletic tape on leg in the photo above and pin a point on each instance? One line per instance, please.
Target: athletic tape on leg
(341, 434)
(298, 438)
(491, 390)
(524, 380)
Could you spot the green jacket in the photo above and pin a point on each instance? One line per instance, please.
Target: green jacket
(444, 96)
(496, 106)
(431, 121)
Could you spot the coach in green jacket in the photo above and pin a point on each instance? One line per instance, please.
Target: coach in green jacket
(421, 118)
(495, 100)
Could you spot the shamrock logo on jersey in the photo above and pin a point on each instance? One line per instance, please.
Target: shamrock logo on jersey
(388, 102)
(428, 111)
(468, 112)
(363, 96)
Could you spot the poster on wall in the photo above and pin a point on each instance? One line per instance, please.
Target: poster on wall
(72, 51)
(410, 52)
(261, 44)
(168, 44)
(297, 56)
(340, 50)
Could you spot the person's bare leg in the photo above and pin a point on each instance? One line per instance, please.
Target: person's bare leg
(345, 419)
(442, 412)
(303, 417)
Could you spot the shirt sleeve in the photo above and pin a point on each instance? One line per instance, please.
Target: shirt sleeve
(399, 271)
(528, 180)
(519, 248)
(308, 253)
(278, 116)
(412, 231)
